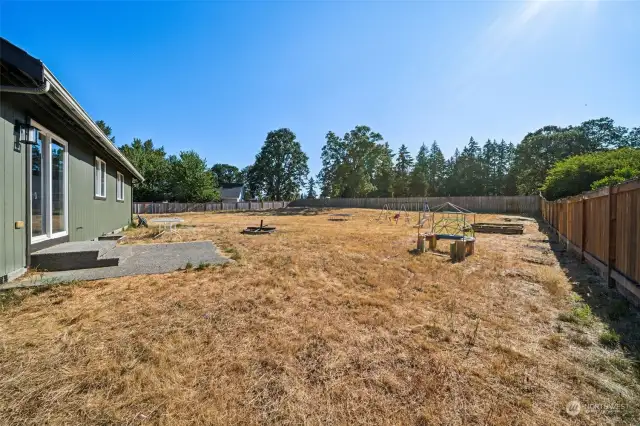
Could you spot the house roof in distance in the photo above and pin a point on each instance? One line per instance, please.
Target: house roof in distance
(231, 190)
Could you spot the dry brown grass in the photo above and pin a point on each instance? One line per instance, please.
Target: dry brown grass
(320, 323)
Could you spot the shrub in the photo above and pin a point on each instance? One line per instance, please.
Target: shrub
(581, 173)
(580, 314)
(609, 338)
(618, 176)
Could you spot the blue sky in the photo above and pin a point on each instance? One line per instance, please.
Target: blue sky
(216, 77)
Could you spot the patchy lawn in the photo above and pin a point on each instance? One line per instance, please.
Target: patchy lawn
(326, 323)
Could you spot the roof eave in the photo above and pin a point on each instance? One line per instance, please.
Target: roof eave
(83, 119)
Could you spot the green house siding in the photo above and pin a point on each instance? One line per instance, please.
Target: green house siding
(90, 217)
(12, 193)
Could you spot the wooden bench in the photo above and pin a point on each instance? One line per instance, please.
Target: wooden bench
(460, 247)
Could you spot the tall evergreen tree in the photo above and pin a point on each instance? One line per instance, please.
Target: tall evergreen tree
(489, 161)
(451, 186)
(437, 171)
(404, 165)
(106, 129)
(469, 170)
(505, 152)
(311, 190)
(419, 181)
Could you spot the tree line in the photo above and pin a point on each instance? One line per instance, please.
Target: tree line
(278, 173)
(361, 163)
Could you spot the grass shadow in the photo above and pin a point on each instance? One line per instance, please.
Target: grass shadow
(438, 253)
(605, 303)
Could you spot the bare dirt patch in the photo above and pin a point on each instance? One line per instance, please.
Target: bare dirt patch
(321, 322)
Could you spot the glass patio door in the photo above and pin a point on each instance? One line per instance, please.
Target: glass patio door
(38, 226)
(58, 187)
(49, 187)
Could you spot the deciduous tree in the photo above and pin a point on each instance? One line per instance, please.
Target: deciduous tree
(153, 165)
(349, 164)
(226, 173)
(383, 178)
(540, 150)
(191, 181)
(280, 168)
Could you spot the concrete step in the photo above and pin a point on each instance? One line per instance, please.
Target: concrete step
(111, 237)
(76, 255)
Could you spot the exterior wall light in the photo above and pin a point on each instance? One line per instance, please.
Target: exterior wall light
(25, 134)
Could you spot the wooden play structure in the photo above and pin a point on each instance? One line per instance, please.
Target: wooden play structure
(423, 216)
(386, 215)
(447, 222)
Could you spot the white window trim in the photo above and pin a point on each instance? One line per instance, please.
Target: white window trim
(100, 187)
(119, 186)
(46, 151)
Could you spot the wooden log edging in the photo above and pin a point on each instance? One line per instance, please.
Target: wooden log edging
(498, 228)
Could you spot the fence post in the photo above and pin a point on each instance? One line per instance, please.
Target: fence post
(566, 223)
(583, 237)
(611, 249)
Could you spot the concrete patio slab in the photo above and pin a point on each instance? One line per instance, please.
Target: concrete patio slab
(140, 259)
(78, 246)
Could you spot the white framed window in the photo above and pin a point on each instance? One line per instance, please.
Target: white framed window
(120, 187)
(100, 178)
(49, 182)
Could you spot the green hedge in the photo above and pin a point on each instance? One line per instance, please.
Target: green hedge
(591, 171)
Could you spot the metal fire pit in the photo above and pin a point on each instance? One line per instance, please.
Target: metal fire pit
(259, 230)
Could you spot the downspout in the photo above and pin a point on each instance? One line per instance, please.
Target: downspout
(27, 216)
(40, 90)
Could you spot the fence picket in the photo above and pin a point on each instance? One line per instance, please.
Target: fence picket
(495, 204)
(602, 227)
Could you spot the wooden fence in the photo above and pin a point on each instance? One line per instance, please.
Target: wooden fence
(490, 204)
(168, 208)
(603, 227)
